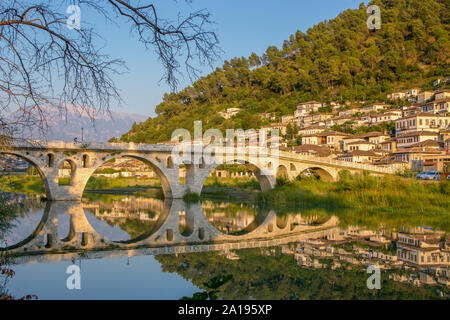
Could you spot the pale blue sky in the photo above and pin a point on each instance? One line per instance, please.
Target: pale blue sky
(243, 27)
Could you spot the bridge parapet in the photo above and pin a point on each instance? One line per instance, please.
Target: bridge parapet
(47, 156)
(337, 163)
(89, 146)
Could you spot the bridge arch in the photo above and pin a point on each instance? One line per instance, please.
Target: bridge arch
(266, 180)
(73, 168)
(292, 167)
(38, 168)
(322, 172)
(169, 162)
(282, 172)
(160, 173)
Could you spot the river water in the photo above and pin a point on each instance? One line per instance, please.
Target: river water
(139, 247)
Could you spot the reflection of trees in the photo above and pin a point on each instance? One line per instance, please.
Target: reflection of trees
(212, 287)
(7, 214)
(277, 276)
(28, 206)
(14, 208)
(8, 211)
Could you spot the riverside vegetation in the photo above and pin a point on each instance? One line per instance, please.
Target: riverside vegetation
(359, 199)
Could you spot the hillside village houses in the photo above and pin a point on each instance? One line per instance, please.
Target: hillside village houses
(420, 141)
(424, 96)
(306, 108)
(409, 94)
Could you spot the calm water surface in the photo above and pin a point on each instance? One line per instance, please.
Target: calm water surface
(130, 247)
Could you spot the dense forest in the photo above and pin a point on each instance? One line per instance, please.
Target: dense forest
(337, 60)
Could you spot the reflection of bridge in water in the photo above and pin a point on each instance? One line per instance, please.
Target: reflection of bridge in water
(142, 209)
(165, 237)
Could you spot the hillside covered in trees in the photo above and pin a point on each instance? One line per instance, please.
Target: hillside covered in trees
(338, 60)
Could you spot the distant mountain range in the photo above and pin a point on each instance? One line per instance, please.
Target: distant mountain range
(67, 125)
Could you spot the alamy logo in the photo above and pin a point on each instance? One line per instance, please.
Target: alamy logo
(374, 21)
(374, 281)
(74, 280)
(74, 20)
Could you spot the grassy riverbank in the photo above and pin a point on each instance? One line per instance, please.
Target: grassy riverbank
(22, 184)
(242, 188)
(366, 200)
(241, 182)
(34, 184)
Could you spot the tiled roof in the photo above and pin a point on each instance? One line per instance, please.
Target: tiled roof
(418, 133)
(426, 143)
(360, 142)
(327, 133)
(313, 127)
(310, 102)
(418, 150)
(423, 114)
(372, 134)
(321, 151)
(359, 153)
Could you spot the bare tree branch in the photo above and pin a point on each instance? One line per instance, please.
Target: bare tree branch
(44, 63)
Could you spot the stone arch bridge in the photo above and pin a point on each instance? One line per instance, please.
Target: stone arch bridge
(85, 158)
(199, 235)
